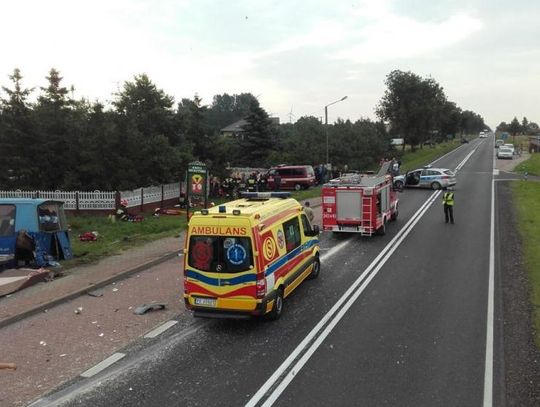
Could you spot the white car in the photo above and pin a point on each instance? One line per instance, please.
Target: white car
(510, 146)
(483, 135)
(505, 152)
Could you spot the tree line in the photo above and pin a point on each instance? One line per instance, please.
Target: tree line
(526, 127)
(144, 137)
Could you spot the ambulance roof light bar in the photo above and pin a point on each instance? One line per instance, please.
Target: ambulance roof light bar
(265, 195)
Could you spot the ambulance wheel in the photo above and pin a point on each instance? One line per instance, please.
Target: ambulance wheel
(277, 309)
(316, 270)
(435, 185)
(297, 187)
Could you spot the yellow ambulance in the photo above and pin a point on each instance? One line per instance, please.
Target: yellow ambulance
(244, 257)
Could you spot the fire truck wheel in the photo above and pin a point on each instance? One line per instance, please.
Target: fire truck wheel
(382, 230)
(395, 214)
(277, 309)
(315, 271)
(297, 187)
(435, 185)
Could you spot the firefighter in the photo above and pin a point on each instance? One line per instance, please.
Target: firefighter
(448, 202)
(252, 183)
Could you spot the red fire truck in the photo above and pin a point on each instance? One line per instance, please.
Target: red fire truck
(359, 203)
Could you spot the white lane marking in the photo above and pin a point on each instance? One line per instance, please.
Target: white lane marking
(280, 371)
(335, 249)
(307, 355)
(488, 370)
(160, 329)
(103, 364)
(462, 163)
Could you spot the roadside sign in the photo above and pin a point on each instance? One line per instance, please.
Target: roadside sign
(196, 182)
(504, 135)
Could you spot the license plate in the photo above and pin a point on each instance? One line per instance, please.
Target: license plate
(349, 228)
(207, 302)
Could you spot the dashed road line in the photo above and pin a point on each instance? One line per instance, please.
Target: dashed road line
(103, 364)
(160, 329)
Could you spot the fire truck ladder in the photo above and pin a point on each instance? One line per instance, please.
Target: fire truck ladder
(366, 216)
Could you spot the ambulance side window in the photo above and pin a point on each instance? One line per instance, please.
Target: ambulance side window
(292, 234)
(306, 225)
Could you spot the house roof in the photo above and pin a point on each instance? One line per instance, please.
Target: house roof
(235, 127)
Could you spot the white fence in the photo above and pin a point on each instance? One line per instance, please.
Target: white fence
(102, 200)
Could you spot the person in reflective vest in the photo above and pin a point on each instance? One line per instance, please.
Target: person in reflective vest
(448, 202)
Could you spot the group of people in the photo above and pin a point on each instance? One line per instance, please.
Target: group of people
(231, 186)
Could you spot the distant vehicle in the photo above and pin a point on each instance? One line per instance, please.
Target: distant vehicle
(295, 177)
(510, 146)
(499, 143)
(505, 152)
(427, 177)
(464, 140)
(483, 134)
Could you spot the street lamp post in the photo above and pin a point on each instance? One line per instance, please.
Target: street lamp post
(326, 124)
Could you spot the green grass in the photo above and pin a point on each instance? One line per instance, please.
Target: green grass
(531, 166)
(113, 237)
(527, 200)
(420, 157)
(117, 236)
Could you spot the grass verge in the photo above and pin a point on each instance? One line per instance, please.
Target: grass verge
(117, 236)
(413, 160)
(526, 196)
(531, 166)
(113, 237)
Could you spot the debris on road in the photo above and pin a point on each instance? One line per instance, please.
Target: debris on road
(78, 310)
(11, 366)
(95, 293)
(144, 308)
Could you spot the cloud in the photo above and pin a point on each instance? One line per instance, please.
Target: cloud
(394, 37)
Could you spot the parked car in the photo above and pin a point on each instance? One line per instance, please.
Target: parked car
(427, 177)
(499, 143)
(505, 152)
(295, 177)
(511, 147)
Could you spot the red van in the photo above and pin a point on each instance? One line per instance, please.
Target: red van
(295, 177)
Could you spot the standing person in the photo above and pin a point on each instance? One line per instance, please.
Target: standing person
(308, 211)
(448, 202)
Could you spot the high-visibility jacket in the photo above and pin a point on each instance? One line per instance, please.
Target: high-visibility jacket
(448, 198)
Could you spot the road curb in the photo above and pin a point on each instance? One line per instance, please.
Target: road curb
(105, 282)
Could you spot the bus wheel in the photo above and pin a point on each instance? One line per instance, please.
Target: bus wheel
(315, 271)
(277, 309)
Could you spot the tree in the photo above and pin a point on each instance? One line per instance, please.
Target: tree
(411, 105)
(525, 126)
(149, 143)
(258, 138)
(57, 158)
(515, 127)
(19, 149)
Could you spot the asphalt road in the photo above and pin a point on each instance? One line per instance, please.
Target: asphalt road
(398, 320)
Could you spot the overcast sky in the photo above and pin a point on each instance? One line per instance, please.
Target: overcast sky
(296, 56)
